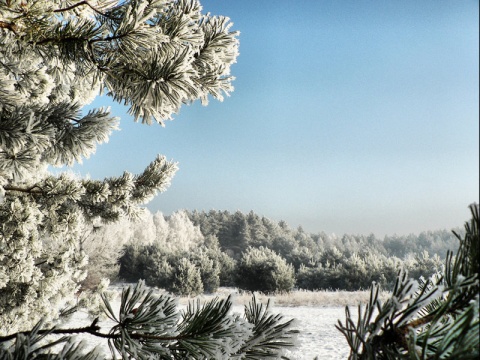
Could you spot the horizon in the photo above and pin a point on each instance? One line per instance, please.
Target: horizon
(347, 118)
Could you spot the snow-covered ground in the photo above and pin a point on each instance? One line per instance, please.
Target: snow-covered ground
(318, 335)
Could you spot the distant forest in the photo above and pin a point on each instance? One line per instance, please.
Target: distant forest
(188, 253)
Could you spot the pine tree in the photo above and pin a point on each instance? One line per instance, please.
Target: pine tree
(261, 269)
(55, 57)
(437, 318)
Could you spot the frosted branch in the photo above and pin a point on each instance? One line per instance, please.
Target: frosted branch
(81, 3)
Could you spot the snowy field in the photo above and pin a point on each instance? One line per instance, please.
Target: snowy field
(318, 336)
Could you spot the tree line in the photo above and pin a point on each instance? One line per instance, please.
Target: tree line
(191, 252)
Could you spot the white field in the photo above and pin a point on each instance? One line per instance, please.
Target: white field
(316, 315)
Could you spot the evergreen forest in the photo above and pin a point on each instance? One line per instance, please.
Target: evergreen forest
(191, 252)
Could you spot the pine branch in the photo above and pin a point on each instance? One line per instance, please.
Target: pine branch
(80, 4)
(89, 42)
(93, 329)
(147, 324)
(30, 190)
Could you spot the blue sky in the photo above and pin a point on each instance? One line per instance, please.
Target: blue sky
(347, 117)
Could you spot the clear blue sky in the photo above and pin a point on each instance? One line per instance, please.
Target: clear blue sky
(347, 117)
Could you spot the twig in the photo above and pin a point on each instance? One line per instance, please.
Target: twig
(80, 4)
(94, 329)
(31, 190)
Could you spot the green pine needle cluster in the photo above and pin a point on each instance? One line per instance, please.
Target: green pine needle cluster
(437, 318)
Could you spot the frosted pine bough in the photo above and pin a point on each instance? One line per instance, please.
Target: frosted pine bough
(55, 57)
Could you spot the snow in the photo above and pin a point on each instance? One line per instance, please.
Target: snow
(318, 335)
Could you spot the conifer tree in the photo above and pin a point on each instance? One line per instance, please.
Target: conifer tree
(55, 57)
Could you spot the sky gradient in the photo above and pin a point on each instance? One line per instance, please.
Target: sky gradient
(347, 117)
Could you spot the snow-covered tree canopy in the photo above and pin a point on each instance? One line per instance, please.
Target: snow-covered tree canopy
(55, 57)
